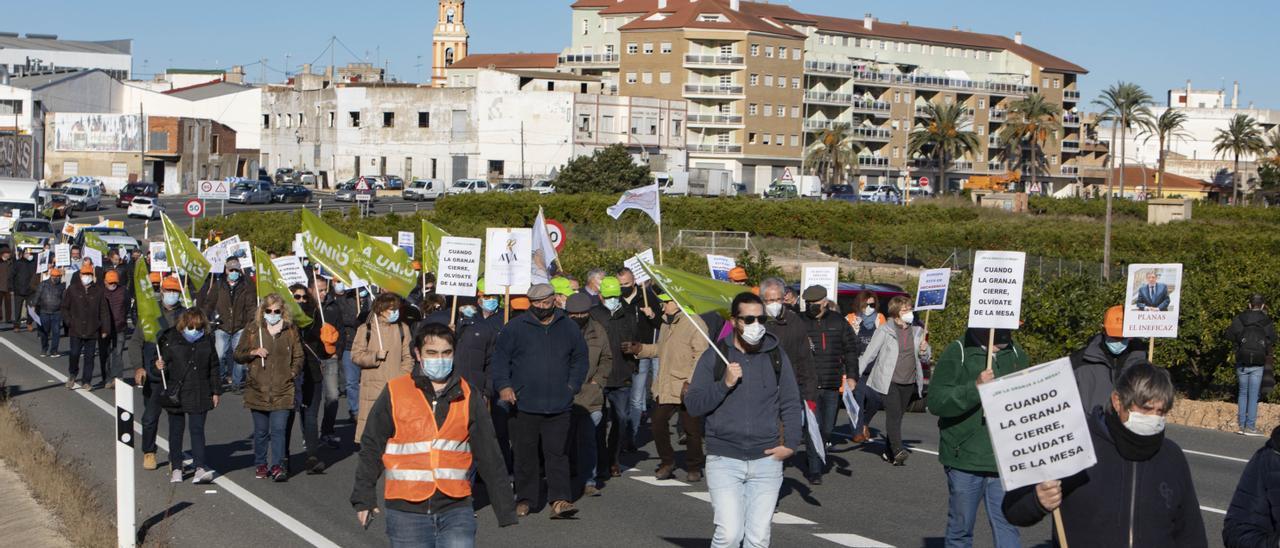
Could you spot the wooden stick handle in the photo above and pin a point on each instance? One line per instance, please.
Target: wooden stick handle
(991, 348)
(1151, 350)
(1057, 525)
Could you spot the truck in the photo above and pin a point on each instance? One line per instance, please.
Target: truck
(700, 181)
(18, 194)
(804, 186)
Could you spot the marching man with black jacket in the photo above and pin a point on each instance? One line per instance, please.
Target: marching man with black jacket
(1253, 335)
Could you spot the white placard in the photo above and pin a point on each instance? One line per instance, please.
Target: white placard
(159, 257)
(404, 239)
(242, 251)
(93, 255)
(62, 255)
(299, 250)
(290, 269)
(1152, 300)
(932, 292)
(385, 239)
(508, 261)
(821, 274)
(213, 190)
(197, 242)
(644, 257)
(1037, 424)
(719, 265)
(217, 254)
(42, 262)
(995, 301)
(459, 268)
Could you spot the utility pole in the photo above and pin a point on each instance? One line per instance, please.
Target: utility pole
(522, 150)
(142, 147)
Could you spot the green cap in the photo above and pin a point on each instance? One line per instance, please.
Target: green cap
(562, 286)
(480, 287)
(664, 297)
(610, 287)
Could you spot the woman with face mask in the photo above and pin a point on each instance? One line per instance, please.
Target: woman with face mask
(189, 361)
(382, 351)
(271, 350)
(1140, 492)
(895, 355)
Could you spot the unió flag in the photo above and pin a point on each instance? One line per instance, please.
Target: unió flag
(183, 254)
(385, 265)
(432, 235)
(148, 308)
(697, 294)
(335, 251)
(544, 252)
(270, 282)
(644, 198)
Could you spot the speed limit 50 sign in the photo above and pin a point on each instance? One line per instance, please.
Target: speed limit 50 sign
(194, 208)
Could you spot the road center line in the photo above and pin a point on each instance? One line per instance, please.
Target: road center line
(1214, 510)
(1223, 457)
(276, 514)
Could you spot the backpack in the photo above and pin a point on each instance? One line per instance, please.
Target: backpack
(1253, 346)
(775, 356)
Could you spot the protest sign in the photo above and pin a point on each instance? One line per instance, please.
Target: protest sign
(932, 292)
(299, 249)
(42, 262)
(242, 251)
(62, 255)
(1153, 297)
(290, 270)
(1038, 427)
(404, 239)
(645, 257)
(508, 260)
(184, 255)
(826, 275)
(719, 265)
(384, 265)
(329, 247)
(459, 267)
(385, 239)
(996, 298)
(147, 307)
(217, 254)
(159, 257)
(270, 282)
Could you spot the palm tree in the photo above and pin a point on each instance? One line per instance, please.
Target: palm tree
(944, 138)
(1035, 122)
(1124, 105)
(833, 152)
(1242, 136)
(1166, 128)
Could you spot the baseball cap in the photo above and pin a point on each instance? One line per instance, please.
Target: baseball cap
(577, 303)
(519, 302)
(1113, 322)
(738, 274)
(559, 286)
(171, 284)
(111, 277)
(610, 287)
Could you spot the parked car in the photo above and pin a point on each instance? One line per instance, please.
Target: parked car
(290, 193)
(84, 196)
(347, 193)
(509, 187)
(251, 192)
(469, 186)
(126, 195)
(423, 189)
(845, 193)
(781, 191)
(305, 178)
(545, 186)
(31, 233)
(117, 238)
(393, 182)
(145, 208)
(283, 175)
(888, 194)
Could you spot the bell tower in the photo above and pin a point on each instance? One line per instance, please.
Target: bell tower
(449, 42)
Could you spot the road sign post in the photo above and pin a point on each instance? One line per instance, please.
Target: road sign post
(194, 209)
(215, 190)
(126, 517)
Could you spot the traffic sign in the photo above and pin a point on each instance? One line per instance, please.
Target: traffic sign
(786, 175)
(194, 208)
(557, 234)
(363, 196)
(214, 190)
(924, 181)
(362, 185)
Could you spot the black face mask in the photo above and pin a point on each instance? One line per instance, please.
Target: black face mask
(542, 313)
(813, 312)
(1132, 446)
(628, 291)
(582, 322)
(670, 318)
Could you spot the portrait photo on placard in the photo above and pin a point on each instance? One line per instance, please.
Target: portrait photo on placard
(1155, 288)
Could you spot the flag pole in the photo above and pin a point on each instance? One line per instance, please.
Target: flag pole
(316, 291)
(660, 261)
(1057, 524)
(690, 318)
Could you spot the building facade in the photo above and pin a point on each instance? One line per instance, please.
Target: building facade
(46, 53)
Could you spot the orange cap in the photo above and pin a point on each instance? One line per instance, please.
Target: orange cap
(55, 272)
(1113, 322)
(155, 277)
(111, 277)
(170, 284)
(87, 268)
(738, 274)
(519, 302)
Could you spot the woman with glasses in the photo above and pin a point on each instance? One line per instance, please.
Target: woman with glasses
(894, 355)
(271, 350)
(189, 361)
(309, 386)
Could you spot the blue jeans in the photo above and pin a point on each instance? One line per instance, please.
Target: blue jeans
(640, 382)
(967, 490)
(584, 426)
(352, 375)
(225, 344)
(269, 427)
(828, 406)
(743, 496)
(50, 331)
(452, 529)
(1250, 381)
(618, 409)
(329, 368)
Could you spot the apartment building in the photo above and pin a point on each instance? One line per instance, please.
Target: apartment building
(758, 73)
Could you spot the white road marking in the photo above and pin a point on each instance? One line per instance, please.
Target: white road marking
(277, 515)
(1214, 510)
(651, 480)
(783, 518)
(700, 495)
(852, 541)
(1223, 457)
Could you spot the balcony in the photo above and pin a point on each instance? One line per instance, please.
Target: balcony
(588, 60)
(997, 115)
(923, 112)
(1071, 95)
(821, 125)
(995, 167)
(828, 98)
(1069, 120)
(1071, 146)
(713, 120)
(861, 74)
(725, 62)
(873, 161)
(714, 90)
(1070, 170)
(871, 133)
(993, 142)
(871, 107)
(714, 148)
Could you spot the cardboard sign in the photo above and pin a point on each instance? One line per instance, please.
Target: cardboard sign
(1037, 424)
(826, 275)
(644, 257)
(42, 262)
(508, 261)
(404, 239)
(159, 257)
(290, 269)
(62, 255)
(93, 255)
(217, 254)
(1153, 298)
(996, 298)
(932, 292)
(719, 265)
(385, 239)
(459, 268)
(242, 251)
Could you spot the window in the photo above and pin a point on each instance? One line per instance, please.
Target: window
(982, 130)
(782, 52)
(754, 79)
(213, 144)
(119, 169)
(159, 140)
(632, 48)
(1053, 160)
(726, 50)
(332, 115)
(755, 50)
(779, 140)
(586, 27)
(631, 78)
(1044, 82)
(584, 123)
(967, 52)
(895, 152)
(10, 106)
(982, 103)
(898, 46)
(795, 140)
(768, 52)
(911, 48)
(424, 119)
(1057, 83)
(665, 48)
(795, 112)
(795, 54)
(647, 78)
(648, 48)
(766, 139)
(768, 111)
(551, 86)
(751, 137)
(897, 97)
(893, 124)
(768, 80)
(795, 83)
(990, 56)
(782, 111)
(664, 77)
(354, 117)
(753, 109)
(266, 121)
(388, 119)
(288, 118)
(70, 168)
(606, 124)
(301, 120)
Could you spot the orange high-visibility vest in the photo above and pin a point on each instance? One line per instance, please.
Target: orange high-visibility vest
(421, 458)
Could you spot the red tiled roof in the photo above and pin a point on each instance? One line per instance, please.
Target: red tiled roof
(507, 61)
(1134, 176)
(684, 14)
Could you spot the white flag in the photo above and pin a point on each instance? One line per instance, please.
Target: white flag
(644, 198)
(815, 435)
(544, 252)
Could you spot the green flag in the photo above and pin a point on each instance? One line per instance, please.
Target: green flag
(21, 240)
(148, 308)
(93, 241)
(432, 235)
(385, 265)
(269, 282)
(697, 294)
(334, 250)
(183, 254)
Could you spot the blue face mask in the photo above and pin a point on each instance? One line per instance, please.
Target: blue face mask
(233, 276)
(393, 316)
(364, 292)
(192, 335)
(468, 311)
(437, 369)
(1117, 346)
(171, 299)
(340, 287)
(272, 319)
(489, 305)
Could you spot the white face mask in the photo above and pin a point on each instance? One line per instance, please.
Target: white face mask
(1144, 425)
(908, 317)
(86, 280)
(774, 310)
(753, 334)
(868, 310)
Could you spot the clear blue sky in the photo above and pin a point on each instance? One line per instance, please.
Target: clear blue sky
(1158, 44)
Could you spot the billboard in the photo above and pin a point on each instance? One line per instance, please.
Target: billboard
(78, 132)
(15, 156)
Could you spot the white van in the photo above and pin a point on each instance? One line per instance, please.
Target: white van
(469, 186)
(84, 196)
(423, 189)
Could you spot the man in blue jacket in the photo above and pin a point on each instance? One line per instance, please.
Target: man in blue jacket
(744, 401)
(1153, 295)
(539, 364)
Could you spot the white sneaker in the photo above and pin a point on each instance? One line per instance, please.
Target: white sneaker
(76, 386)
(202, 476)
(175, 476)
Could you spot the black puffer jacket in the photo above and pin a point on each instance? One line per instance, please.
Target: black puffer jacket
(793, 336)
(622, 327)
(1096, 369)
(835, 350)
(646, 328)
(474, 352)
(194, 367)
(1253, 519)
(1245, 324)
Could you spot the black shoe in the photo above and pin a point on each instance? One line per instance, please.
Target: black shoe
(314, 466)
(815, 479)
(900, 459)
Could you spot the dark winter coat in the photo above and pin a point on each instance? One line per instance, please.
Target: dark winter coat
(759, 413)
(835, 350)
(230, 308)
(473, 353)
(23, 278)
(118, 307)
(84, 311)
(49, 295)
(1253, 519)
(1097, 369)
(646, 328)
(6, 276)
(546, 365)
(1247, 321)
(621, 327)
(193, 366)
(270, 387)
(793, 336)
